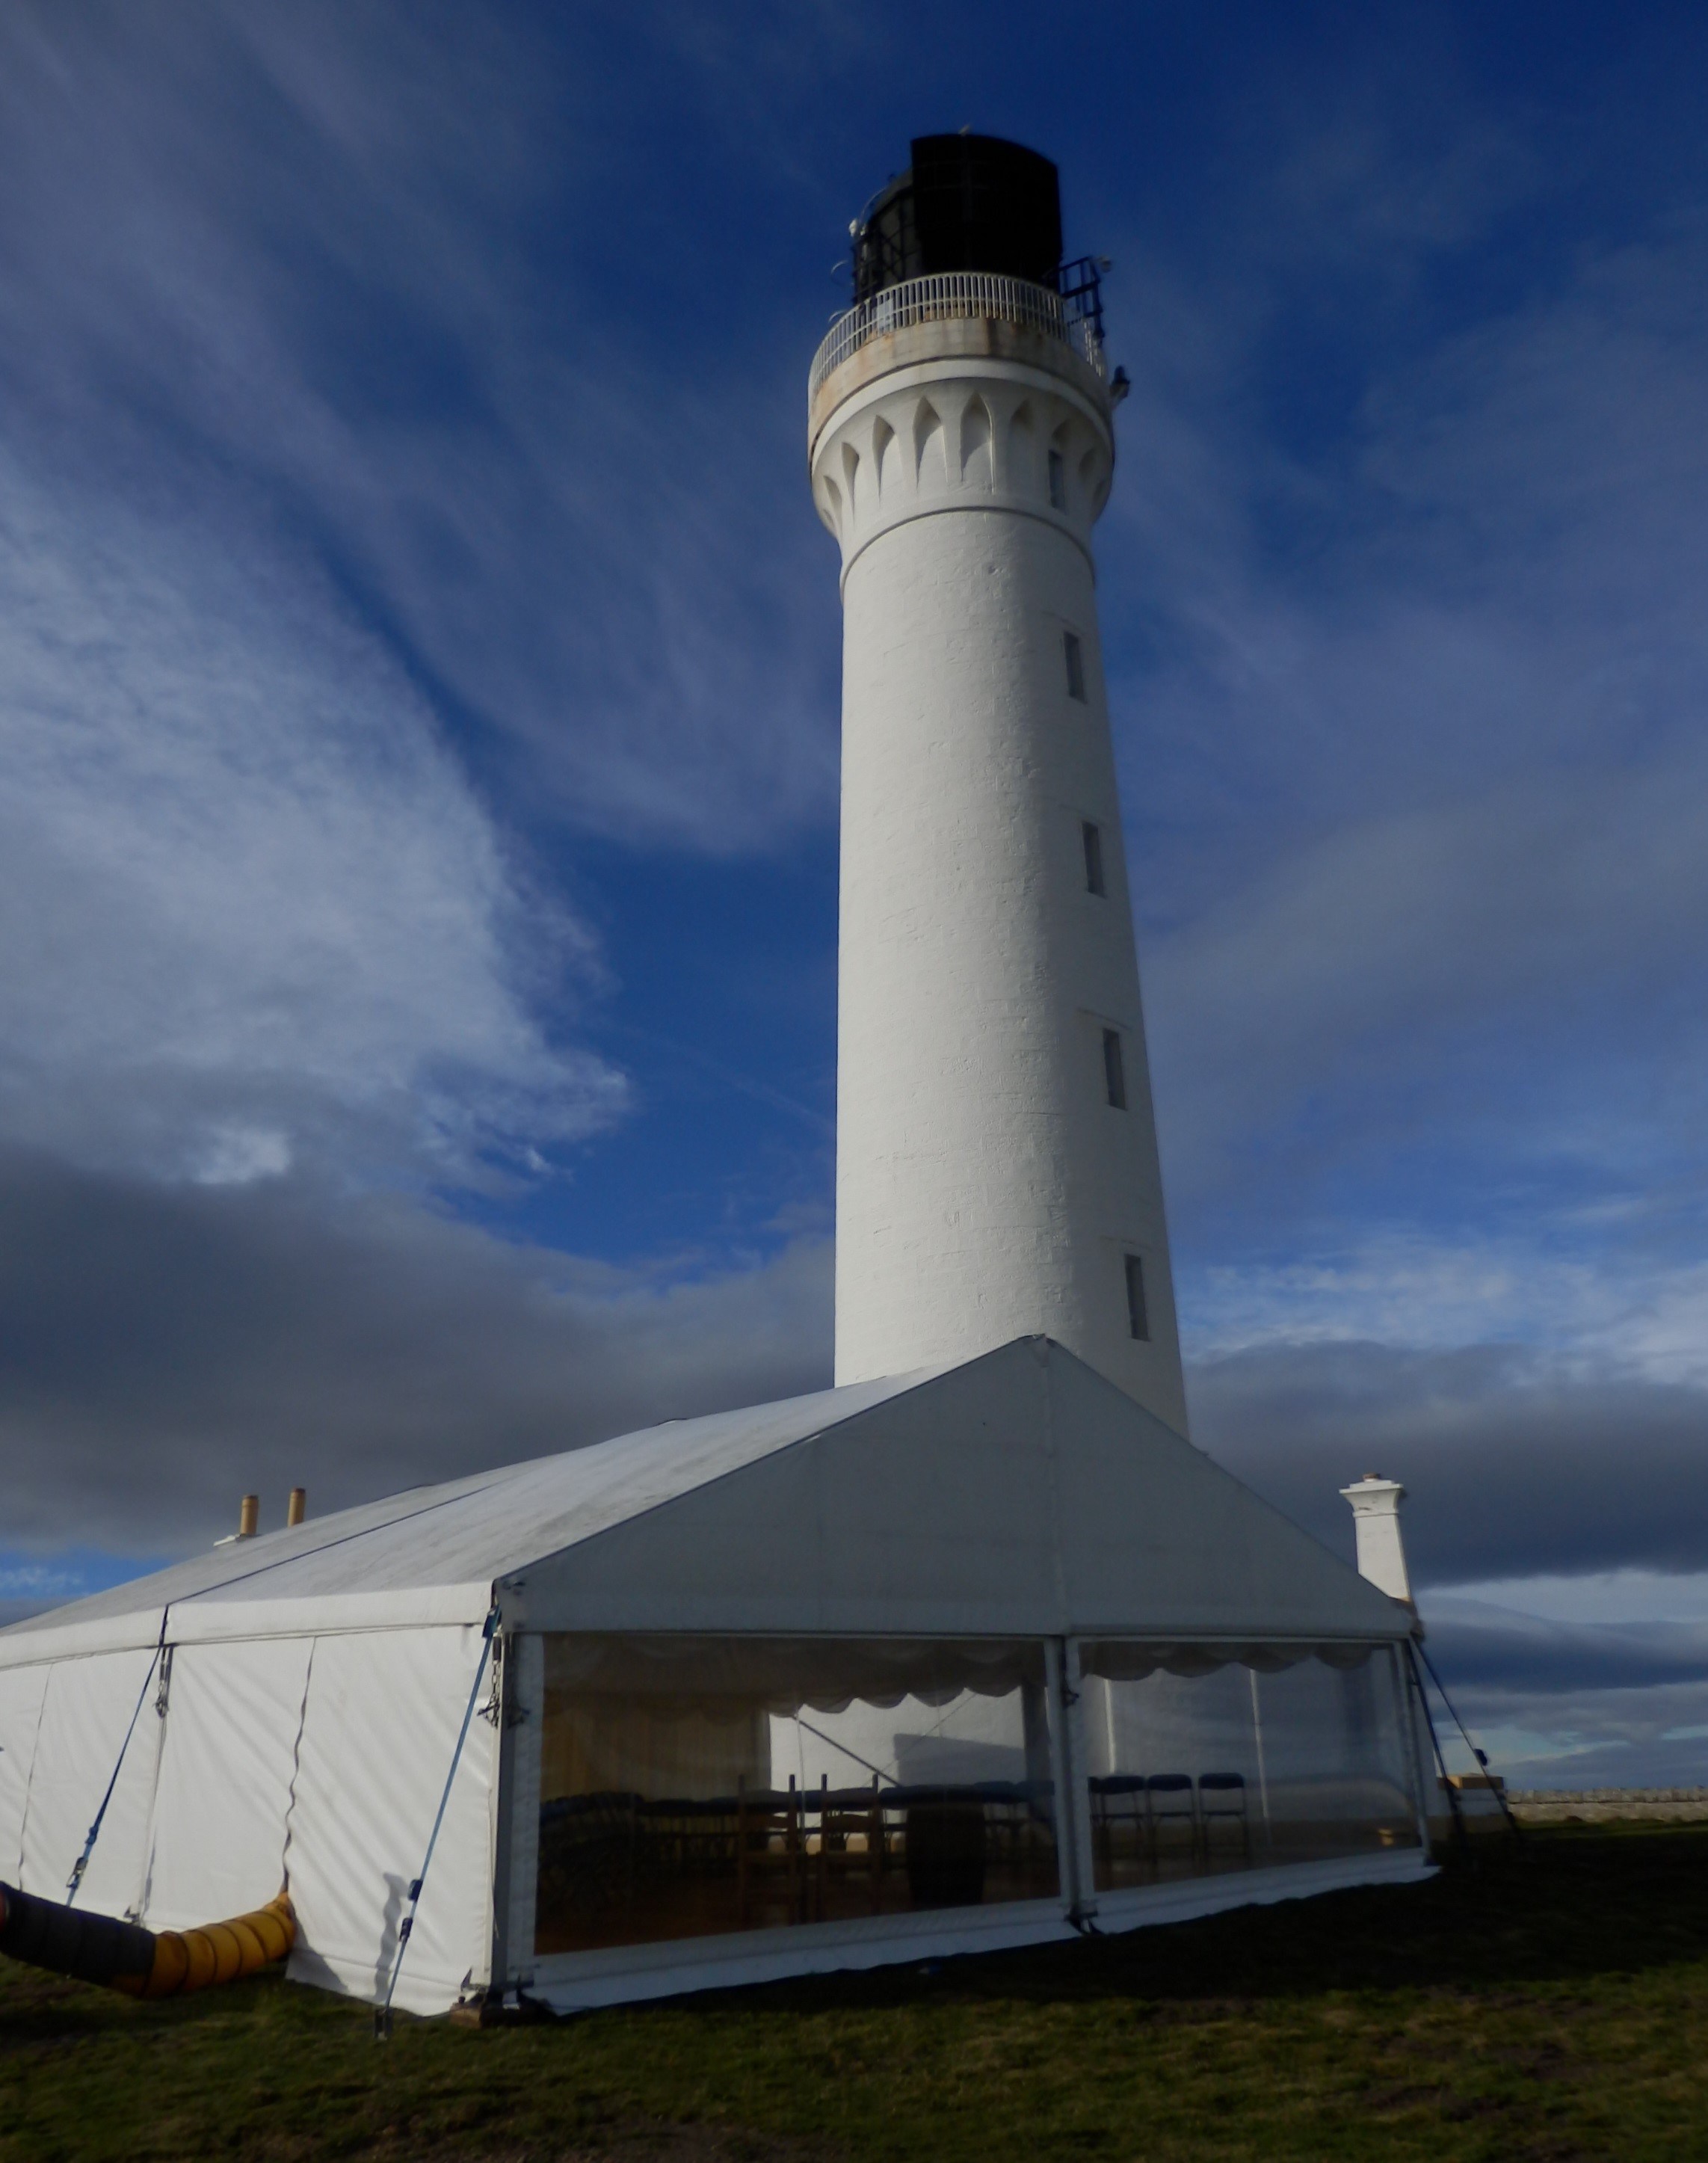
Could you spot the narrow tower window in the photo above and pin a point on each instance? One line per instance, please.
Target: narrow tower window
(1076, 665)
(1059, 480)
(1093, 858)
(1138, 1321)
(1114, 1075)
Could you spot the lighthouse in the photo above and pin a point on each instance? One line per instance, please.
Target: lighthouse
(997, 1171)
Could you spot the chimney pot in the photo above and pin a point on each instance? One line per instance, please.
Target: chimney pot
(296, 1509)
(248, 1516)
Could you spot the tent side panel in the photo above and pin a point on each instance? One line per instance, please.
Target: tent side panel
(21, 1690)
(931, 1514)
(1019, 1495)
(379, 1732)
(85, 1711)
(1158, 1534)
(234, 1714)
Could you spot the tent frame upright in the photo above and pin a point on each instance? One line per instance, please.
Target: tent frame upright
(1071, 1763)
(515, 1811)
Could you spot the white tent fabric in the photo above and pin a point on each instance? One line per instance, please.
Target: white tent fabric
(319, 1675)
(377, 1744)
(234, 1717)
(86, 1709)
(1018, 1494)
(21, 1693)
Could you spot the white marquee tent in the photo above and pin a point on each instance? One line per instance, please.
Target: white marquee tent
(1023, 1654)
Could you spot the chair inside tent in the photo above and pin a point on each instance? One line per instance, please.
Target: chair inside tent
(960, 1659)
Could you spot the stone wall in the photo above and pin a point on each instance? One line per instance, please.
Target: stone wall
(1607, 1806)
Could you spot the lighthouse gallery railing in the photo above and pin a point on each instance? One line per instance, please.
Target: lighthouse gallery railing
(947, 295)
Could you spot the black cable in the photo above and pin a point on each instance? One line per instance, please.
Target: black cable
(1453, 1802)
(381, 2014)
(81, 1864)
(1481, 1757)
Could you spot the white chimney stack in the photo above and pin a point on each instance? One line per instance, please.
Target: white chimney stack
(1381, 1552)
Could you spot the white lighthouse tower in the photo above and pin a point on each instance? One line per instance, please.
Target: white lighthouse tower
(996, 1155)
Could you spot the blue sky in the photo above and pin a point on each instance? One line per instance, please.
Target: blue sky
(418, 676)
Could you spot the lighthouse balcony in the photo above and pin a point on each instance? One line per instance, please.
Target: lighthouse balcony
(1070, 318)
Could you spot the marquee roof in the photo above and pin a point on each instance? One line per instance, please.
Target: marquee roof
(1018, 1493)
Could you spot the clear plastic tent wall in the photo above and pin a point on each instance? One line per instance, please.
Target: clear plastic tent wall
(1203, 1758)
(694, 1788)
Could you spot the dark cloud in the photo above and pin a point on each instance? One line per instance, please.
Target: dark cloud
(1483, 1647)
(163, 1350)
(1514, 1465)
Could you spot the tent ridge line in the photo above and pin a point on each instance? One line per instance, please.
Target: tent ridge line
(1125, 1634)
(253, 1634)
(1247, 1493)
(1263, 1503)
(1052, 1473)
(326, 1547)
(261, 1636)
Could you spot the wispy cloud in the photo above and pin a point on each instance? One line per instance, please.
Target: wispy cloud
(324, 280)
(1436, 747)
(249, 907)
(1410, 725)
(1410, 689)
(1550, 1292)
(369, 522)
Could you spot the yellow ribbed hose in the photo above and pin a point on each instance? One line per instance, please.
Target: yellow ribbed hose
(219, 1952)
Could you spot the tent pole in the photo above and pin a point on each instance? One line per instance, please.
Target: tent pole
(1072, 1792)
(75, 1881)
(515, 1812)
(1453, 1802)
(1398, 1670)
(490, 1991)
(1113, 1762)
(382, 2012)
(1262, 1767)
(1479, 1756)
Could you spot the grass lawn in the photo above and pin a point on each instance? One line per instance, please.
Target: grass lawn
(1550, 2002)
